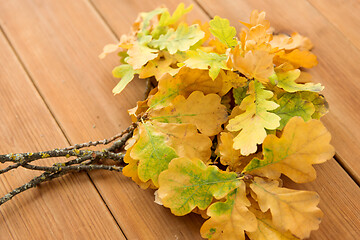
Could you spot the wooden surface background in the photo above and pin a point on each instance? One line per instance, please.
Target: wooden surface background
(55, 91)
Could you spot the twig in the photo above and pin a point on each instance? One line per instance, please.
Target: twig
(105, 141)
(47, 176)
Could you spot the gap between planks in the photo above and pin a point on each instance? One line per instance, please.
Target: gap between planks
(337, 157)
(54, 117)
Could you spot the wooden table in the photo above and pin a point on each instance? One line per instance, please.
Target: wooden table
(55, 92)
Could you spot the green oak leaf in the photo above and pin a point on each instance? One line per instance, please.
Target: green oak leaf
(286, 81)
(319, 102)
(126, 73)
(152, 152)
(229, 219)
(202, 60)
(220, 28)
(189, 183)
(180, 39)
(291, 105)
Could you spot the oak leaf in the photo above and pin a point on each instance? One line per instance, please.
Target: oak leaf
(140, 53)
(183, 83)
(301, 145)
(256, 64)
(266, 228)
(126, 72)
(254, 120)
(205, 112)
(180, 39)
(152, 152)
(292, 210)
(296, 58)
(287, 81)
(159, 67)
(189, 183)
(221, 29)
(229, 219)
(231, 80)
(202, 60)
(166, 19)
(291, 105)
(185, 140)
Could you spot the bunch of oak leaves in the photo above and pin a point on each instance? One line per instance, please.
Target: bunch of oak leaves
(228, 114)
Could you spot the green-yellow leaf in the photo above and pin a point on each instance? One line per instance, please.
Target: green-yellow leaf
(301, 145)
(319, 102)
(228, 220)
(180, 39)
(291, 105)
(205, 112)
(220, 28)
(286, 81)
(184, 83)
(152, 152)
(146, 20)
(292, 210)
(256, 118)
(202, 60)
(126, 73)
(189, 183)
(266, 229)
(166, 19)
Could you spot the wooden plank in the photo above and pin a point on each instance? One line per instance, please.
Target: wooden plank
(341, 214)
(338, 192)
(338, 69)
(344, 14)
(70, 208)
(59, 42)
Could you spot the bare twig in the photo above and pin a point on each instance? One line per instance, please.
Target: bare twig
(47, 176)
(105, 141)
(86, 160)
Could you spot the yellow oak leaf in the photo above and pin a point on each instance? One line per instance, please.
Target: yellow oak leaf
(184, 83)
(189, 183)
(205, 112)
(159, 67)
(228, 155)
(301, 145)
(254, 120)
(256, 38)
(185, 140)
(140, 54)
(283, 41)
(292, 210)
(256, 64)
(257, 18)
(229, 219)
(266, 229)
(296, 58)
(201, 60)
(230, 80)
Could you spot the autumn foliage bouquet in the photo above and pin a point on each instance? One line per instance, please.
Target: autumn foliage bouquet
(226, 114)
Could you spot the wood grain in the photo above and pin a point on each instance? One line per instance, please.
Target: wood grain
(339, 203)
(338, 67)
(59, 42)
(344, 15)
(69, 208)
